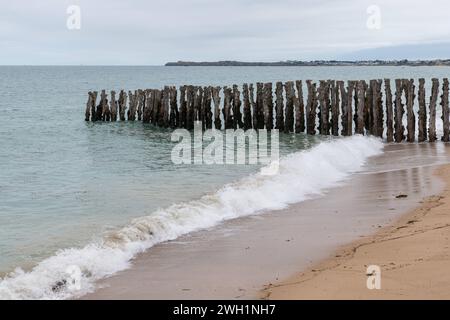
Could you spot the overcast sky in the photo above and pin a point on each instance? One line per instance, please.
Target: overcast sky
(152, 32)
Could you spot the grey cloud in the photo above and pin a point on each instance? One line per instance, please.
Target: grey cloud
(152, 32)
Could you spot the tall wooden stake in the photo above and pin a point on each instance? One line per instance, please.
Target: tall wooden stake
(445, 111)
(247, 107)
(216, 100)
(389, 111)
(399, 111)
(299, 108)
(289, 111)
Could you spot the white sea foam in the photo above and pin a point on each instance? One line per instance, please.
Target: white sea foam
(302, 175)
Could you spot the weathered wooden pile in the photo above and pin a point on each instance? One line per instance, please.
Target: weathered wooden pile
(332, 107)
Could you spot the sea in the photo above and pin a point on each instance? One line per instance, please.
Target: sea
(94, 195)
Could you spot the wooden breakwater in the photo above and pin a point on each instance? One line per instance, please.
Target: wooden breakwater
(377, 107)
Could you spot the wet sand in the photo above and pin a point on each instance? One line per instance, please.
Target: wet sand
(241, 257)
(413, 256)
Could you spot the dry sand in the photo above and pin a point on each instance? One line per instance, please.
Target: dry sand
(413, 255)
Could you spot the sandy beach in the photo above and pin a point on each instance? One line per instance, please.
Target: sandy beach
(413, 255)
(242, 257)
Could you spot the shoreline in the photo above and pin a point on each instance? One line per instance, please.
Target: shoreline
(238, 258)
(412, 253)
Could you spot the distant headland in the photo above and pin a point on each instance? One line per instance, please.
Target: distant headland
(295, 63)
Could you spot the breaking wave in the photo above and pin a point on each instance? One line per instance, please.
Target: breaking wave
(301, 175)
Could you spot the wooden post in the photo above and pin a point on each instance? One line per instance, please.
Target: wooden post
(190, 107)
(165, 123)
(334, 108)
(321, 100)
(160, 107)
(279, 106)
(269, 99)
(141, 107)
(202, 109)
(113, 106)
(399, 111)
(268, 106)
(122, 104)
(100, 114)
(299, 109)
(247, 107)
(209, 111)
(422, 112)
(198, 98)
(253, 106)
(433, 101)
(87, 112)
(311, 108)
(136, 102)
(347, 101)
(227, 116)
(376, 118)
(195, 107)
(93, 106)
(151, 105)
(259, 106)
(167, 109)
(324, 114)
(389, 111)
(140, 104)
(361, 88)
(289, 111)
(99, 111)
(344, 113)
(347, 97)
(133, 100)
(355, 99)
(199, 112)
(379, 109)
(411, 118)
(254, 111)
(207, 96)
(106, 112)
(371, 102)
(445, 111)
(130, 116)
(157, 108)
(216, 99)
(237, 115)
(352, 101)
(183, 108)
(147, 109)
(174, 114)
(368, 107)
(144, 102)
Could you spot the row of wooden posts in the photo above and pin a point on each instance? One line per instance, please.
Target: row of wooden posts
(341, 109)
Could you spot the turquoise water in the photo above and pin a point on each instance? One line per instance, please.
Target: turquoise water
(64, 182)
